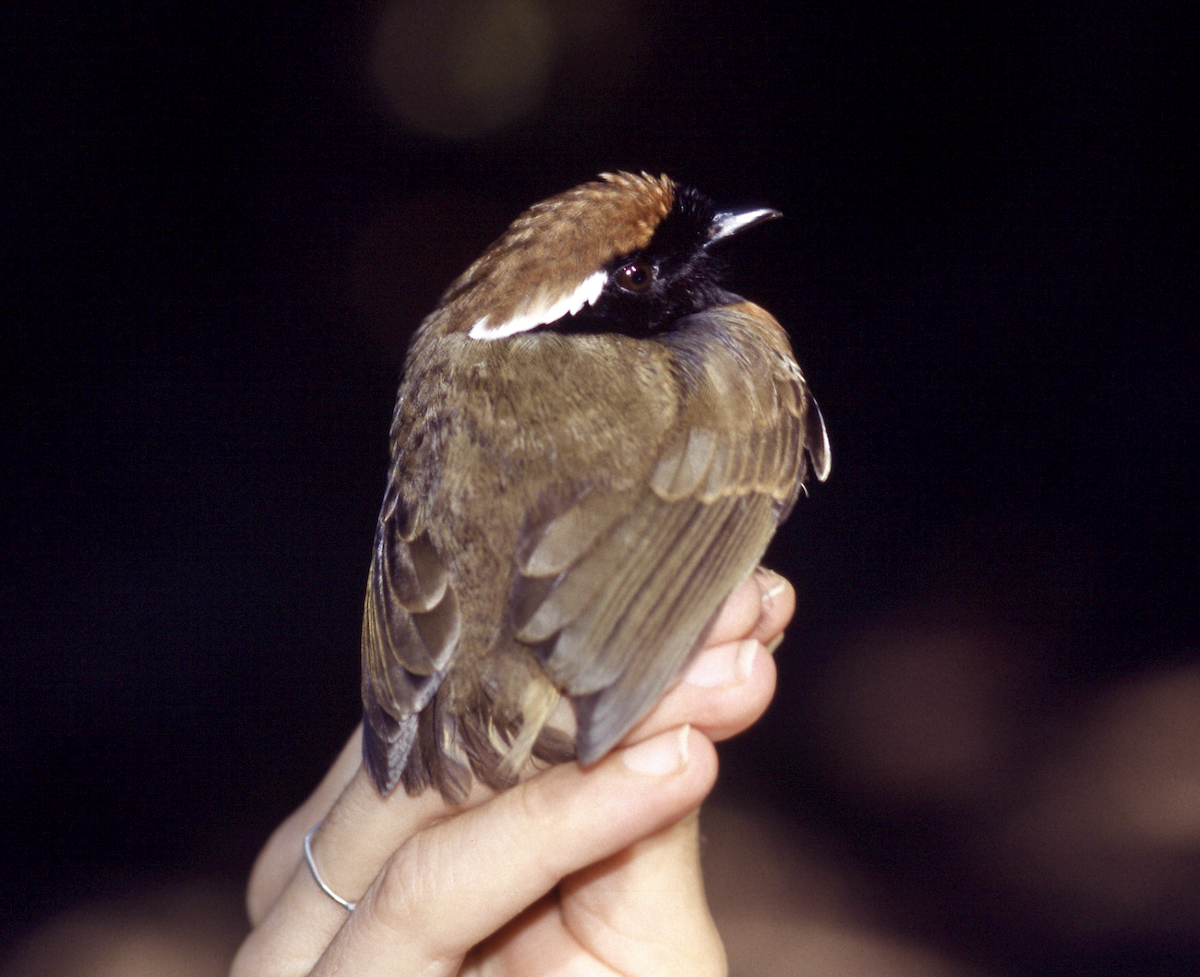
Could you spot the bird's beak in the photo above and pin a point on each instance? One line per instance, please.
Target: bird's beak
(726, 223)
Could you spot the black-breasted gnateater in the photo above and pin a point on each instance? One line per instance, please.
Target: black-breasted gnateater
(593, 444)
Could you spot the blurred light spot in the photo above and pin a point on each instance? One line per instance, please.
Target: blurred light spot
(1109, 836)
(780, 947)
(463, 68)
(188, 930)
(916, 713)
(1148, 745)
(787, 903)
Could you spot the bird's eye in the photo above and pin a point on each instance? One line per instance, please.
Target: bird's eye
(637, 276)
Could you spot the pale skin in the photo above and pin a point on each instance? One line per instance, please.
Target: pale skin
(576, 871)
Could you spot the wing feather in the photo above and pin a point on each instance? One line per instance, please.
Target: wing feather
(616, 606)
(411, 628)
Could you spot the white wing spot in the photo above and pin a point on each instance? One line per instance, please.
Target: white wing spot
(543, 314)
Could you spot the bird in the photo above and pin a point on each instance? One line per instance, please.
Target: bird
(593, 443)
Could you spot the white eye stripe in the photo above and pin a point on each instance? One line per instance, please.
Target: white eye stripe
(585, 294)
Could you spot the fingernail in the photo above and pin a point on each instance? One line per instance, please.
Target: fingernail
(771, 584)
(775, 643)
(660, 755)
(714, 667)
(745, 658)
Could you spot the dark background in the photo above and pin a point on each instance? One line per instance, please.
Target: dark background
(222, 233)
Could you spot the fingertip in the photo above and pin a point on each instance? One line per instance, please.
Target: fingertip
(747, 652)
(682, 760)
(736, 708)
(739, 614)
(725, 690)
(760, 608)
(770, 583)
(777, 604)
(661, 755)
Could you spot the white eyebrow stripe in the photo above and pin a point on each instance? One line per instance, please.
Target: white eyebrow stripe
(585, 294)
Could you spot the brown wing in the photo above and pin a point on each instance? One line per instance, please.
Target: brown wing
(616, 591)
(411, 627)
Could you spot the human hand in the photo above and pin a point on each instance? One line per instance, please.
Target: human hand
(580, 871)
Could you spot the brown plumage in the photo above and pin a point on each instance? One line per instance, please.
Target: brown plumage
(592, 446)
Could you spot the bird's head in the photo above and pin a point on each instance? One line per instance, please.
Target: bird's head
(625, 253)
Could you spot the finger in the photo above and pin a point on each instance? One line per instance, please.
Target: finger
(357, 811)
(640, 911)
(739, 614)
(724, 691)
(760, 607)
(364, 830)
(464, 878)
(644, 911)
(278, 860)
(777, 606)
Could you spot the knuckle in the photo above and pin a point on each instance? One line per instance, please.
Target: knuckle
(532, 830)
(410, 897)
(403, 886)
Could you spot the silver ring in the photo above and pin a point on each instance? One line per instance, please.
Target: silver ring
(312, 867)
